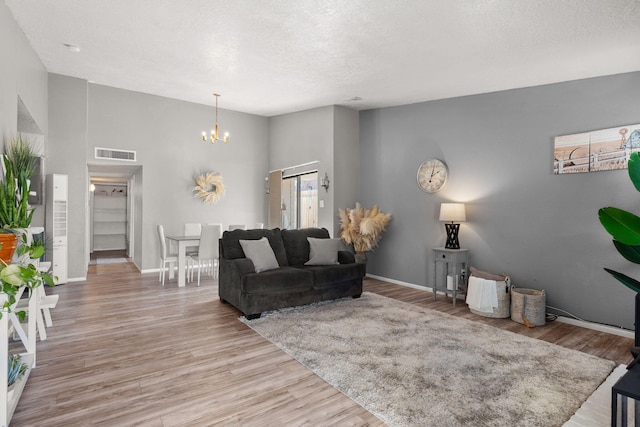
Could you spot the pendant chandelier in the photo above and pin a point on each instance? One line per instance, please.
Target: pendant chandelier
(215, 136)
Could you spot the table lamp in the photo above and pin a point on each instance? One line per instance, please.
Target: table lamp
(453, 212)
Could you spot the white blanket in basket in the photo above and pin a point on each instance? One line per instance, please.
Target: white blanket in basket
(482, 295)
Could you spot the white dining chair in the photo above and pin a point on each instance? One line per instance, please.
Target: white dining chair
(214, 265)
(191, 229)
(165, 258)
(237, 227)
(208, 253)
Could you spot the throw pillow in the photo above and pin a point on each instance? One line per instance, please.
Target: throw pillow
(323, 251)
(260, 253)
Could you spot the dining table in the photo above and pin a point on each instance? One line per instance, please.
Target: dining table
(183, 242)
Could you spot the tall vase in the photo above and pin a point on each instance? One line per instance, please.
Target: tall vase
(361, 257)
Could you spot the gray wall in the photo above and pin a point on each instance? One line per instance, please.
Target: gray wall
(346, 162)
(165, 133)
(136, 194)
(303, 137)
(66, 152)
(540, 228)
(21, 75)
(328, 135)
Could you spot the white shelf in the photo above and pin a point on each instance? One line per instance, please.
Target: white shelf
(109, 222)
(18, 386)
(9, 321)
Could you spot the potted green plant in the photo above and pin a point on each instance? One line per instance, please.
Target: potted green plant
(625, 229)
(16, 370)
(15, 216)
(15, 213)
(15, 276)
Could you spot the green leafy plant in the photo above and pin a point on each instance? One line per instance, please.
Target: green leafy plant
(17, 369)
(625, 228)
(14, 197)
(21, 154)
(14, 276)
(19, 165)
(35, 249)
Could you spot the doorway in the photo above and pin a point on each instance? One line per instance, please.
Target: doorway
(299, 195)
(112, 215)
(109, 218)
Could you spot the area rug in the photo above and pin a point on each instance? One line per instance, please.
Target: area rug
(413, 366)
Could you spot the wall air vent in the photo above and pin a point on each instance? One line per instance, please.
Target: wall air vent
(115, 154)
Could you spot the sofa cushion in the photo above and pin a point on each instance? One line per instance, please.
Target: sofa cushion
(323, 251)
(231, 248)
(260, 253)
(296, 245)
(329, 275)
(284, 279)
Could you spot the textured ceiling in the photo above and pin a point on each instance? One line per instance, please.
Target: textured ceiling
(270, 57)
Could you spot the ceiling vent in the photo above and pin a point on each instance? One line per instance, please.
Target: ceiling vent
(114, 154)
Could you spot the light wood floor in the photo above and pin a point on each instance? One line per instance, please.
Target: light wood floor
(124, 351)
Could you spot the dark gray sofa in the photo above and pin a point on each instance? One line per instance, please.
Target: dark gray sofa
(293, 283)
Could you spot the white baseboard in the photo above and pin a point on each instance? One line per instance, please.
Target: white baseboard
(398, 282)
(156, 270)
(582, 323)
(76, 279)
(597, 327)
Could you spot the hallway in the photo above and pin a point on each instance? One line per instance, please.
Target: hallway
(109, 262)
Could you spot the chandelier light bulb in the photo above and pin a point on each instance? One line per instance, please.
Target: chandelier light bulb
(215, 135)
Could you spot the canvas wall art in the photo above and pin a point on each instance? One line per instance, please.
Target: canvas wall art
(600, 150)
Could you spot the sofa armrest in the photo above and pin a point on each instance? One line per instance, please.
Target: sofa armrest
(242, 266)
(230, 278)
(346, 257)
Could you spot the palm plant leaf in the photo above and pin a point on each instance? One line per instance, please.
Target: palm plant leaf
(631, 253)
(629, 282)
(622, 225)
(634, 169)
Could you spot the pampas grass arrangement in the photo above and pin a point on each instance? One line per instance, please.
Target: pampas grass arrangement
(362, 227)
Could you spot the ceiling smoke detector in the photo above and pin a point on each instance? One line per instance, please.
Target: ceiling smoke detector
(72, 47)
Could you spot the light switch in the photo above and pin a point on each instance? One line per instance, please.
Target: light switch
(322, 203)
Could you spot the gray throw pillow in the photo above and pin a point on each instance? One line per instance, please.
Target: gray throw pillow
(323, 251)
(260, 253)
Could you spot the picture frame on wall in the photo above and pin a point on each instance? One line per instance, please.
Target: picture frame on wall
(595, 151)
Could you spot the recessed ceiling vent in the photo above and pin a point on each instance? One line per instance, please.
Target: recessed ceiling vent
(114, 154)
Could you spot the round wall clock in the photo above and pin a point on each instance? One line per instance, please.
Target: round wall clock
(432, 175)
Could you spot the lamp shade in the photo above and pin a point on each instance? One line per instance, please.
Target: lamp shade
(453, 212)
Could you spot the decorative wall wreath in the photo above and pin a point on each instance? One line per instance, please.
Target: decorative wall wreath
(209, 187)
